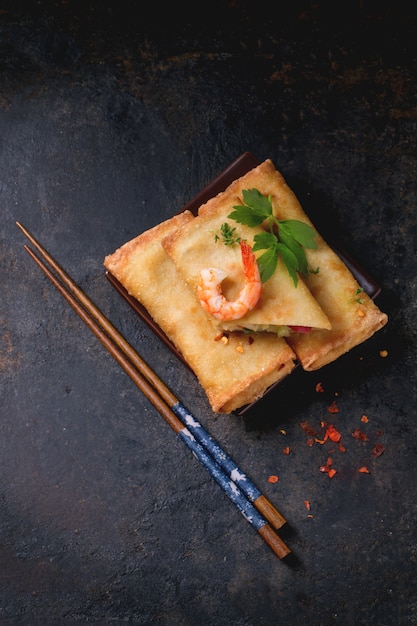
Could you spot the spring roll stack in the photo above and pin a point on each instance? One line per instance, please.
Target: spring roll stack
(236, 361)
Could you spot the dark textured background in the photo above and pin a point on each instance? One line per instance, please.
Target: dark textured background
(112, 117)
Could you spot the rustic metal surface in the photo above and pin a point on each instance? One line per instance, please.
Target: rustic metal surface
(111, 119)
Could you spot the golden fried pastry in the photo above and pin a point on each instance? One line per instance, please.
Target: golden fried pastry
(353, 315)
(233, 370)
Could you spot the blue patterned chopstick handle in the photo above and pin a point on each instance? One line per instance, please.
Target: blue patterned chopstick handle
(225, 462)
(229, 487)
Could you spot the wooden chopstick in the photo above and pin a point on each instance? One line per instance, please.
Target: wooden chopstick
(165, 402)
(264, 506)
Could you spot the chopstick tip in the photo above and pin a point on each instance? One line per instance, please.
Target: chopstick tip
(21, 227)
(274, 541)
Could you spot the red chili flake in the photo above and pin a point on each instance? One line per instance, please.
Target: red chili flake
(327, 469)
(310, 442)
(364, 419)
(341, 447)
(333, 407)
(250, 340)
(333, 434)
(307, 505)
(364, 470)
(286, 450)
(273, 479)
(378, 449)
(358, 434)
(319, 388)
(308, 429)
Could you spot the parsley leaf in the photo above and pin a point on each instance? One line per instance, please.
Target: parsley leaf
(254, 211)
(286, 239)
(267, 262)
(300, 231)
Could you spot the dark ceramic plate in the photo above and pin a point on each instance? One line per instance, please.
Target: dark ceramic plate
(239, 167)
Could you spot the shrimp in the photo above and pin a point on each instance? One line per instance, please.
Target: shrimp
(210, 294)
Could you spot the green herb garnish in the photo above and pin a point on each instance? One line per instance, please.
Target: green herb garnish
(291, 237)
(228, 235)
(357, 293)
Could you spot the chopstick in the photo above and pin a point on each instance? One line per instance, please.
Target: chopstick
(263, 505)
(255, 507)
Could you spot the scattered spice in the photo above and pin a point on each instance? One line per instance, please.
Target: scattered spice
(327, 469)
(240, 349)
(333, 434)
(377, 450)
(225, 340)
(383, 353)
(273, 479)
(324, 468)
(333, 408)
(330, 433)
(283, 432)
(358, 434)
(307, 505)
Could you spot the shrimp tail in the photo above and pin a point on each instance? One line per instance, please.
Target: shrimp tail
(210, 294)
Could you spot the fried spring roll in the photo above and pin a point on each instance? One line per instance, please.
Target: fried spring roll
(234, 370)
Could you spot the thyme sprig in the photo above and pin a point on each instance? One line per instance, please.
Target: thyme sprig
(228, 235)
